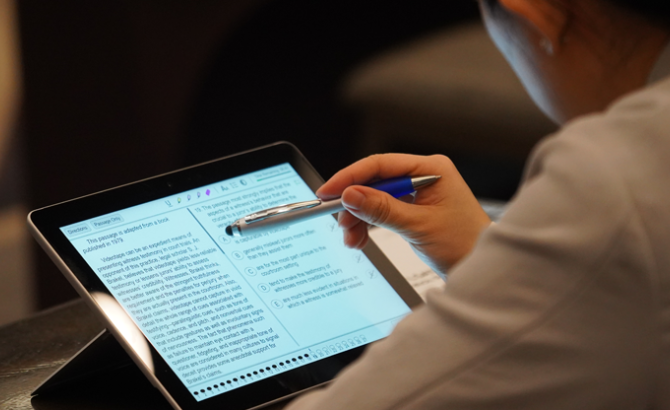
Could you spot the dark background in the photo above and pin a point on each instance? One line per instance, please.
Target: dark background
(121, 90)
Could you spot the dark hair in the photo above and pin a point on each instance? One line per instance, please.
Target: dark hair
(655, 10)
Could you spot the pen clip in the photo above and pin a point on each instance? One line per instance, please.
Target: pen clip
(279, 210)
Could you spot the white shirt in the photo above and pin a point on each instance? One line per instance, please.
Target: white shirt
(564, 304)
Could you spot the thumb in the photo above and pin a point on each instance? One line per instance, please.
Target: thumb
(381, 209)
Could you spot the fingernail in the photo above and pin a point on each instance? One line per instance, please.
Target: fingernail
(353, 199)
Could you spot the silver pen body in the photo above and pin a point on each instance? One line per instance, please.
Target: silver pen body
(254, 224)
(280, 216)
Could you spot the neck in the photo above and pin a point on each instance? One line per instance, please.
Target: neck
(614, 58)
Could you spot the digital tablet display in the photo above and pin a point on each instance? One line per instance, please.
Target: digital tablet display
(225, 312)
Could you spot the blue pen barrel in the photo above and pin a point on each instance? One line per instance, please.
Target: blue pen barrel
(396, 187)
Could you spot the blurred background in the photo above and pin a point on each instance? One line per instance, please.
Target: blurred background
(97, 94)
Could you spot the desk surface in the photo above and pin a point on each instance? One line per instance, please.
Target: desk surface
(32, 349)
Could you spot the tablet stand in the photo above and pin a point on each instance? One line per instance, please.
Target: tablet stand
(101, 354)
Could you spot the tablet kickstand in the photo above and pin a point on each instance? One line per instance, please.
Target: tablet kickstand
(103, 353)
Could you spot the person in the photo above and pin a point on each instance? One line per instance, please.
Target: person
(565, 302)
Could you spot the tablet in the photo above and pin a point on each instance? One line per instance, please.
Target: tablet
(215, 321)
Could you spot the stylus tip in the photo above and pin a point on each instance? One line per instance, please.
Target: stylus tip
(229, 230)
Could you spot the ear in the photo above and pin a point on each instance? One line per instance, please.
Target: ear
(550, 18)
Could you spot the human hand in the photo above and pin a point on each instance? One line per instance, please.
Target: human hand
(443, 222)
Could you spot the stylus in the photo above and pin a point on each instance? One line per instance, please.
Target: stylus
(283, 215)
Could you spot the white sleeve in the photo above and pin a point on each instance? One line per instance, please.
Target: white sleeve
(554, 309)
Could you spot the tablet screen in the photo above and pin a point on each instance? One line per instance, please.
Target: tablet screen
(226, 312)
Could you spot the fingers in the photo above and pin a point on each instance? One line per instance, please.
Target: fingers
(355, 230)
(380, 209)
(357, 236)
(346, 220)
(442, 221)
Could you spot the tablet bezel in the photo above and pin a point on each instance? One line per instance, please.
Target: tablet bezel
(45, 225)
